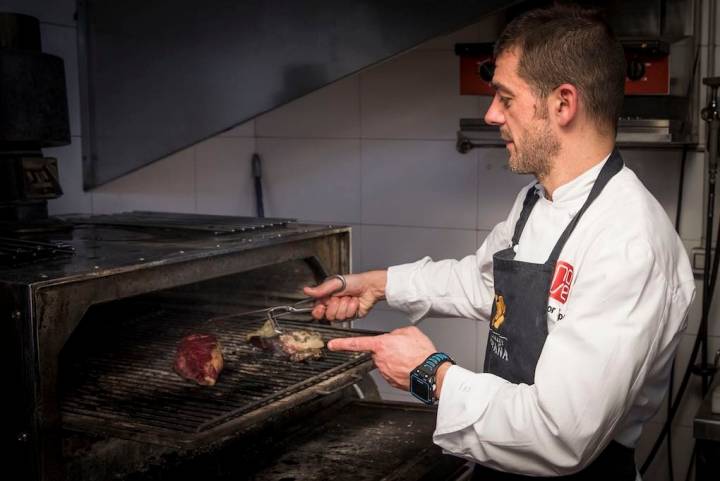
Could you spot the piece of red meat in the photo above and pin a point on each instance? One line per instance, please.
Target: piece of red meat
(199, 359)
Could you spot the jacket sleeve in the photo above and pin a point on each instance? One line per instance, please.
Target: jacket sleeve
(452, 288)
(614, 320)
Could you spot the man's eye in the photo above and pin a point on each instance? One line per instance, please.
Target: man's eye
(505, 101)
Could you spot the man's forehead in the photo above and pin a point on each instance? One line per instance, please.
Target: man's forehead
(505, 77)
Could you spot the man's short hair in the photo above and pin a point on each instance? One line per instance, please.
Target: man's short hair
(569, 44)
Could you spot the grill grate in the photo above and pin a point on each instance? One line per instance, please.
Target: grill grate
(119, 375)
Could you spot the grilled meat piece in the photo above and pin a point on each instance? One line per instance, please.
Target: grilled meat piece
(295, 345)
(199, 359)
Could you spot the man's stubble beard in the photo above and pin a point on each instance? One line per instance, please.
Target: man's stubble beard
(539, 147)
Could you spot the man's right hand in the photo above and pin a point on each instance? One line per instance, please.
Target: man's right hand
(359, 296)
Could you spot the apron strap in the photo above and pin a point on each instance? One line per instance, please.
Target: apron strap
(531, 199)
(613, 165)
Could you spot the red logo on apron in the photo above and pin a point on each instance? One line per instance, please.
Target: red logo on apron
(562, 279)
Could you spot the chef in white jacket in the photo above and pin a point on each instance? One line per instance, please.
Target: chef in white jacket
(585, 284)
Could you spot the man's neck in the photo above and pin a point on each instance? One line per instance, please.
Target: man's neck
(573, 160)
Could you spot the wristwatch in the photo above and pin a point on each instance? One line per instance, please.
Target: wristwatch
(422, 378)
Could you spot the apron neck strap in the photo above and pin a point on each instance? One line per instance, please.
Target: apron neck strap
(531, 199)
(613, 165)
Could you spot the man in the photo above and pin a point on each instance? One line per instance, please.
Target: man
(586, 284)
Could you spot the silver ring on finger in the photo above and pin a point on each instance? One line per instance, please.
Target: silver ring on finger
(341, 278)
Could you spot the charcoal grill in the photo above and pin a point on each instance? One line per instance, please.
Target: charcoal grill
(92, 334)
(120, 381)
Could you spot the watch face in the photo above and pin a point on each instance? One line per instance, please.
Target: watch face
(421, 389)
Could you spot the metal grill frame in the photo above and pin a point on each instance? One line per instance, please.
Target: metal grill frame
(44, 305)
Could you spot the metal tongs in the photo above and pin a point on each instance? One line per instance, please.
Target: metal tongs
(296, 308)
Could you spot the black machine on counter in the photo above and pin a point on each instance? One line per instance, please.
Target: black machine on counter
(33, 115)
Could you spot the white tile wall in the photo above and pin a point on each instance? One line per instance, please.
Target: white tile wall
(314, 180)
(331, 112)
(662, 183)
(415, 96)
(497, 187)
(418, 183)
(691, 219)
(167, 185)
(223, 176)
(246, 129)
(390, 245)
(486, 30)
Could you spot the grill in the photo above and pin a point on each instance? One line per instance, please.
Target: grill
(91, 340)
(214, 224)
(18, 252)
(123, 379)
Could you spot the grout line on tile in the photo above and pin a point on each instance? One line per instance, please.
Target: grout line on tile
(195, 188)
(398, 139)
(359, 97)
(293, 137)
(424, 139)
(346, 222)
(410, 226)
(360, 141)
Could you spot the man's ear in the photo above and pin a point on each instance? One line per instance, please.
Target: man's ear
(564, 104)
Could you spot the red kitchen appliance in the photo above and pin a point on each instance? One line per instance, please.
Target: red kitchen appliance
(647, 67)
(477, 66)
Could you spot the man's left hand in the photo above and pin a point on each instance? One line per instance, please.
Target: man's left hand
(395, 354)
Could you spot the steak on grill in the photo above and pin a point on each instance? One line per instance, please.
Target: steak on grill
(199, 359)
(297, 345)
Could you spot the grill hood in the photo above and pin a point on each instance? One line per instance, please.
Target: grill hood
(157, 77)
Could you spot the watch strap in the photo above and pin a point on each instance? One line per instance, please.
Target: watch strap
(433, 361)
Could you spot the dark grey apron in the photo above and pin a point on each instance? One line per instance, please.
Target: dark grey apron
(518, 329)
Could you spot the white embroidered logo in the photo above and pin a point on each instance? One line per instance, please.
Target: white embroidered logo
(498, 345)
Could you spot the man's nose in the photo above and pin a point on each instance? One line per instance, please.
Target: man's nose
(494, 114)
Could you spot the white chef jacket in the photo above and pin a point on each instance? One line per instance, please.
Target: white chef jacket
(605, 365)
